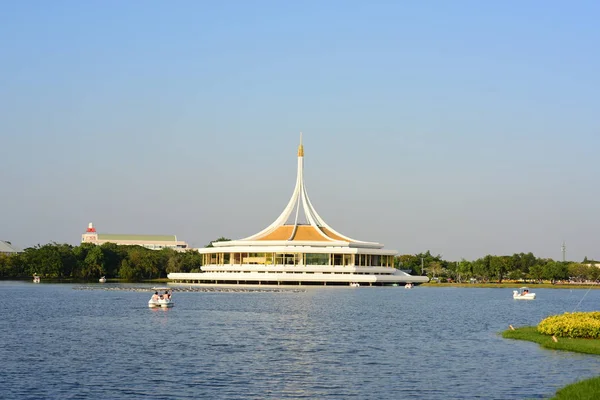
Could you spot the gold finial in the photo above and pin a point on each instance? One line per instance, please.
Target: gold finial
(300, 148)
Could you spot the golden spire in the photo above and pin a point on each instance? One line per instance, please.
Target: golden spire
(300, 148)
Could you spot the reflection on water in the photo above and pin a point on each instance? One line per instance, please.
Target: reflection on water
(380, 343)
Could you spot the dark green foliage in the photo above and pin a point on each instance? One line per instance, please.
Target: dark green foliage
(88, 261)
(523, 267)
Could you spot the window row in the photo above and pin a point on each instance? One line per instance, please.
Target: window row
(358, 260)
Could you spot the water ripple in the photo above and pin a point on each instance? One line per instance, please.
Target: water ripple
(370, 343)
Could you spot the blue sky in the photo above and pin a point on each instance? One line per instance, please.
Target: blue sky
(464, 127)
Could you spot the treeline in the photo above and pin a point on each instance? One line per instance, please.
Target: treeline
(135, 263)
(88, 261)
(521, 266)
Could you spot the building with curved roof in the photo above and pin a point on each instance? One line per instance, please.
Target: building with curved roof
(298, 251)
(8, 248)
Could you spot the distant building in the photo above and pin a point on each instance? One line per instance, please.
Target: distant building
(8, 248)
(153, 242)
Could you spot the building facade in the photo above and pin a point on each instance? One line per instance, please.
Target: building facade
(8, 248)
(154, 242)
(298, 248)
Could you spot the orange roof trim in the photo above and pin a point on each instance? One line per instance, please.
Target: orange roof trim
(303, 233)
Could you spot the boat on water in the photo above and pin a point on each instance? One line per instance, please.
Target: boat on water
(354, 284)
(523, 294)
(102, 280)
(36, 279)
(408, 286)
(162, 300)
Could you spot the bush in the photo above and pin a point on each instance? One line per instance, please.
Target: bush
(584, 325)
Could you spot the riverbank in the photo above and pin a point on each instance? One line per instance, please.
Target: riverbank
(503, 285)
(515, 285)
(582, 390)
(85, 281)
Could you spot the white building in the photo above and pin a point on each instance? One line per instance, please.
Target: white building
(289, 252)
(8, 248)
(154, 242)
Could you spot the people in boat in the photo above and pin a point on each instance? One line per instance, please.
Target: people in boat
(155, 296)
(525, 292)
(167, 295)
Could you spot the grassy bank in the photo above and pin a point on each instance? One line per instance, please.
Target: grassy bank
(583, 390)
(530, 333)
(512, 285)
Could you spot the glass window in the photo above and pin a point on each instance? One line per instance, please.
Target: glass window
(376, 260)
(285, 259)
(337, 259)
(317, 259)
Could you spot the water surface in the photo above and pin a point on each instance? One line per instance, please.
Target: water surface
(363, 343)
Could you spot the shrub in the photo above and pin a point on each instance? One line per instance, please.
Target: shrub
(574, 325)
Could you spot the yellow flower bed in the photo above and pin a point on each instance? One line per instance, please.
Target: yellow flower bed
(575, 325)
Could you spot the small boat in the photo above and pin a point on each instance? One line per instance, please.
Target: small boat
(36, 279)
(354, 284)
(523, 294)
(102, 280)
(162, 300)
(408, 286)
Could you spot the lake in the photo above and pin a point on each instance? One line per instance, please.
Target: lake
(363, 343)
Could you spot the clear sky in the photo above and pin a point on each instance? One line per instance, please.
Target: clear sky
(463, 127)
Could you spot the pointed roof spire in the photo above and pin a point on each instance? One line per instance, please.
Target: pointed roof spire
(315, 230)
(301, 147)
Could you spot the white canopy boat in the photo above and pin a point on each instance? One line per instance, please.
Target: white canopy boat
(354, 284)
(36, 279)
(523, 294)
(163, 300)
(408, 286)
(102, 280)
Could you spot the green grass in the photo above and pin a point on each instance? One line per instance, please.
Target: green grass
(530, 333)
(588, 389)
(583, 390)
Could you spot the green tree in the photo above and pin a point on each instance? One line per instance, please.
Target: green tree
(42, 260)
(481, 268)
(408, 262)
(128, 273)
(94, 263)
(174, 263)
(113, 254)
(555, 270)
(192, 261)
(577, 271)
(68, 260)
(5, 266)
(464, 270)
(593, 273)
(536, 272)
(435, 268)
